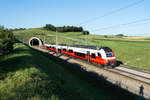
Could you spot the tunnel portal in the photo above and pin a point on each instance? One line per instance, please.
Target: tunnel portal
(34, 41)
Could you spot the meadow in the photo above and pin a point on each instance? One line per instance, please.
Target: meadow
(24, 76)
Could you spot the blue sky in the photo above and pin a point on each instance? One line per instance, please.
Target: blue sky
(37, 13)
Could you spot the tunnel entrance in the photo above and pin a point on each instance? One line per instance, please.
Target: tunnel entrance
(34, 41)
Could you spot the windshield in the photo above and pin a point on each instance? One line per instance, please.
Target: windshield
(108, 52)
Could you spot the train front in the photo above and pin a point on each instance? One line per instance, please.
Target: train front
(110, 57)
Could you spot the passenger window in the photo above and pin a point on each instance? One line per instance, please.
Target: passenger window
(93, 55)
(84, 55)
(64, 50)
(71, 51)
(99, 55)
(80, 54)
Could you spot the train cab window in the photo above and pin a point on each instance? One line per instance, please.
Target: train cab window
(70, 51)
(64, 50)
(108, 52)
(99, 55)
(93, 55)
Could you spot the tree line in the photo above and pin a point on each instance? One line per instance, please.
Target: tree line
(65, 29)
(6, 41)
(17, 29)
(69, 29)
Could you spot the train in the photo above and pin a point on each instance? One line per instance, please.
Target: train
(100, 55)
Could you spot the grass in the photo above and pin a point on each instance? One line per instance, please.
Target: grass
(129, 50)
(31, 75)
(147, 38)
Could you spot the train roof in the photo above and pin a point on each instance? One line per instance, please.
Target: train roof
(88, 47)
(82, 46)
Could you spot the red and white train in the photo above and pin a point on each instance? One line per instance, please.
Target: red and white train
(102, 55)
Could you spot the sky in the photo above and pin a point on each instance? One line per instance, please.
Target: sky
(85, 13)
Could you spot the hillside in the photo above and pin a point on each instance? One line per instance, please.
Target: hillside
(129, 51)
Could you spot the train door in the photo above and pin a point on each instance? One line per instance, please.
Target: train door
(88, 56)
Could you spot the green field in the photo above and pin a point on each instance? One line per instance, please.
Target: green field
(24, 76)
(131, 51)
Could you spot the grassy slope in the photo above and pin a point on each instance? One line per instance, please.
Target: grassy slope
(29, 75)
(132, 52)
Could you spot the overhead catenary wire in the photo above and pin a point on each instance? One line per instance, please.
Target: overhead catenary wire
(112, 12)
(120, 25)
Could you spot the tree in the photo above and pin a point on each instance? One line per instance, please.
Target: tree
(86, 32)
(50, 27)
(119, 35)
(6, 41)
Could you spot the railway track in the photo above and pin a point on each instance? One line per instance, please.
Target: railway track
(136, 69)
(134, 74)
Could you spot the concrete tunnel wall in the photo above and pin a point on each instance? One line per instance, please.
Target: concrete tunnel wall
(34, 41)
